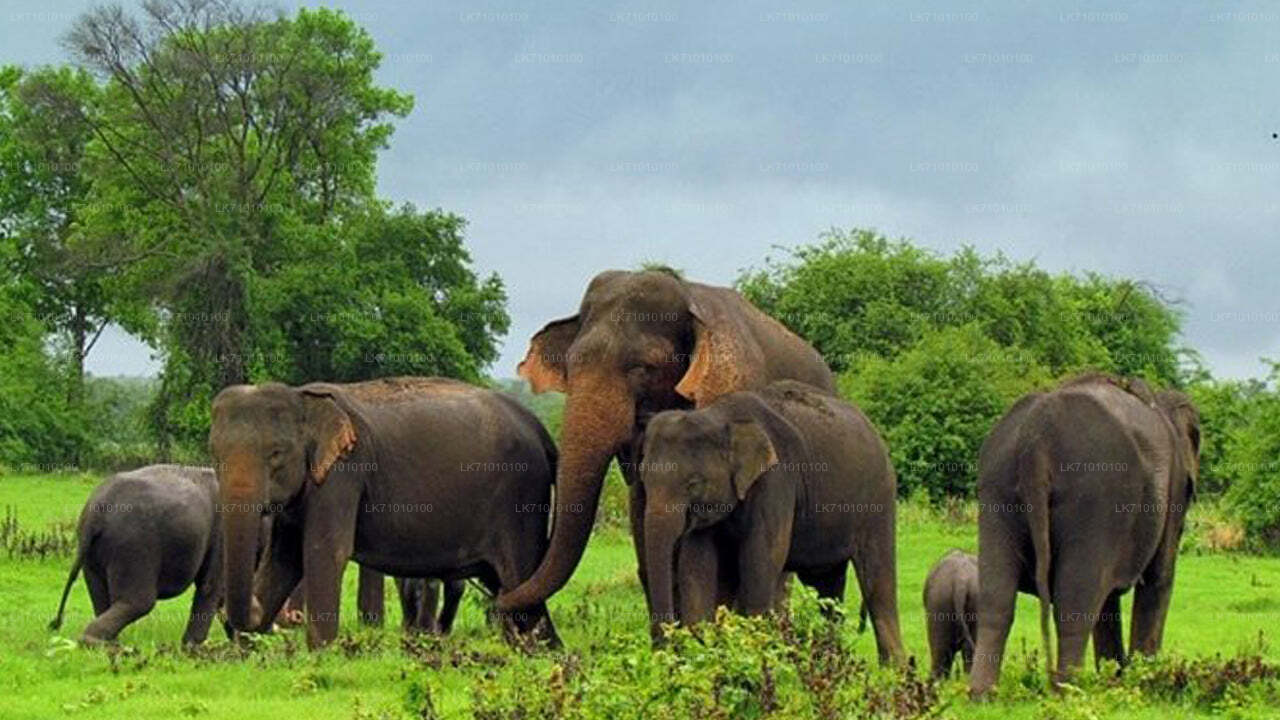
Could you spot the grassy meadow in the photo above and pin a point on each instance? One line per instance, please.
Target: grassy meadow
(1225, 603)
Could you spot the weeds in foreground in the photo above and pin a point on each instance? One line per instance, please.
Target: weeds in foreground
(58, 540)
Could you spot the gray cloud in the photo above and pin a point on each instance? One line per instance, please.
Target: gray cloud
(1131, 140)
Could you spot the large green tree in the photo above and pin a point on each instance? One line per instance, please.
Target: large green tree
(228, 142)
(44, 137)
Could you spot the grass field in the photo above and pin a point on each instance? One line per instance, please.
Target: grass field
(1224, 604)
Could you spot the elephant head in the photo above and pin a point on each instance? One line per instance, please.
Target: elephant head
(268, 443)
(641, 343)
(697, 468)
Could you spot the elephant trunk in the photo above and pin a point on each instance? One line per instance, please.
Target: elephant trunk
(598, 418)
(241, 508)
(663, 527)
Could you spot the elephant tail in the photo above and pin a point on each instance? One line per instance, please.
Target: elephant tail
(86, 539)
(862, 617)
(959, 596)
(1033, 487)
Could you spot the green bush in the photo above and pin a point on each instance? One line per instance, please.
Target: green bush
(797, 666)
(935, 403)
(1254, 495)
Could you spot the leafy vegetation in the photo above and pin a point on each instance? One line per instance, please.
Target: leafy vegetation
(1219, 658)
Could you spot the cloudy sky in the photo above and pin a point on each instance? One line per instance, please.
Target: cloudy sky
(578, 136)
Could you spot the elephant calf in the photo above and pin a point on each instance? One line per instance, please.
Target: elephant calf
(419, 598)
(951, 610)
(149, 534)
(790, 479)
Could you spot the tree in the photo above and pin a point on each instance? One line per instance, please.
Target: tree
(935, 349)
(44, 135)
(393, 295)
(221, 131)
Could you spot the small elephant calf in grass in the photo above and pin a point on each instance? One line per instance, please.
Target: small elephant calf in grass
(419, 598)
(759, 484)
(149, 534)
(951, 611)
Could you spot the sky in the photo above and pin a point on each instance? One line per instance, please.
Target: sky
(1134, 140)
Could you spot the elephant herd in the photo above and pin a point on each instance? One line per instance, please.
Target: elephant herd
(743, 467)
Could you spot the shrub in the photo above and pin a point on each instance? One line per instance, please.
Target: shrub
(1254, 495)
(798, 666)
(935, 403)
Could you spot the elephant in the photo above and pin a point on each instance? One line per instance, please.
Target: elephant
(419, 601)
(370, 596)
(643, 342)
(1083, 493)
(951, 611)
(419, 598)
(409, 476)
(792, 480)
(144, 535)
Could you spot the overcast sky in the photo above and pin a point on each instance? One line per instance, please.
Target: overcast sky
(1134, 140)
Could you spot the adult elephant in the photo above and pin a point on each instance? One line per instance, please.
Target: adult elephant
(412, 477)
(1082, 495)
(641, 343)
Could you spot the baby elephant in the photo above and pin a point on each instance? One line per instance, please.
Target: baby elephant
(146, 534)
(419, 598)
(758, 484)
(951, 610)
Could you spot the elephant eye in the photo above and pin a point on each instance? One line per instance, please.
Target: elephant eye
(695, 482)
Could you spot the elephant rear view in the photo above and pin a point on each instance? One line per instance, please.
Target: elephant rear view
(951, 611)
(1083, 493)
(148, 535)
(412, 477)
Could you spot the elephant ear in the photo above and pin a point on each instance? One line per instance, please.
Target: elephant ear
(752, 455)
(332, 433)
(723, 359)
(545, 365)
(1187, 422)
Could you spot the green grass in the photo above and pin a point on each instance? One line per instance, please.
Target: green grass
(1223, 603)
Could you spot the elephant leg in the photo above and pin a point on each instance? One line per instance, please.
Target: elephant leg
(518, 558)
(277, 579)
(293, 612)
(636, 511)
(134, 597)
(204, 604)
(1108, 637)
(942, 650)
(829, 584)
(412, 597)
(98, 594)
(1078, 598)
(697, 578)
(966, 654)
(371, 598)
(999, 571)
(875, 565)
(452, 598)
(1150, 608)
(327, 546)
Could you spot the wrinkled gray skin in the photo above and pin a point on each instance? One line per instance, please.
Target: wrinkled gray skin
(641, 343)
(1083, 494)
(788, 478)
(951, 611)
(147, 535)
(412, 477)
(419, 600)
